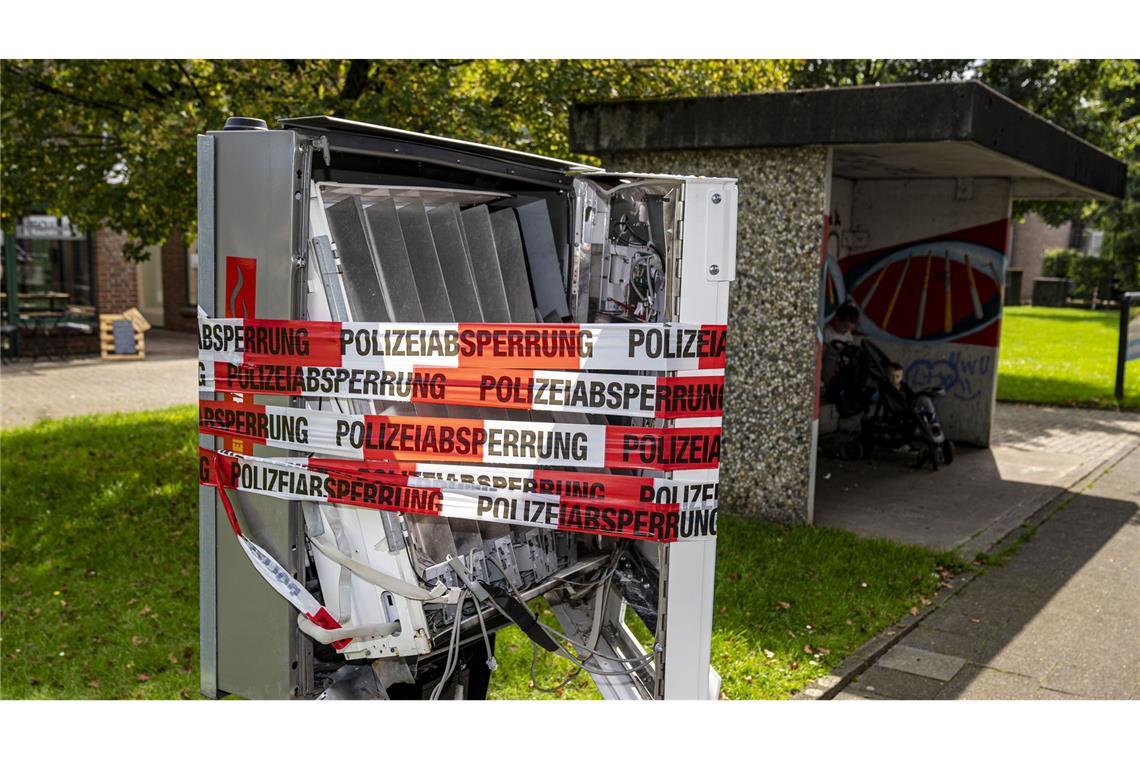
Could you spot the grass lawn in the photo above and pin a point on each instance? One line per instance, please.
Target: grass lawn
(99, 577)
(1062, 356)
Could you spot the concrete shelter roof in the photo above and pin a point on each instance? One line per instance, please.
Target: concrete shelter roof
(902, 131)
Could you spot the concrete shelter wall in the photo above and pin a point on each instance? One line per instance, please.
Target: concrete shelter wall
(925, 221)
(770, 373)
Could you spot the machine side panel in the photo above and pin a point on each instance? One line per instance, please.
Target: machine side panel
(710, 208)
(257, 639)
(207, 498)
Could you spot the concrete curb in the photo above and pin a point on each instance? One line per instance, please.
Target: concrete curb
(826, 687)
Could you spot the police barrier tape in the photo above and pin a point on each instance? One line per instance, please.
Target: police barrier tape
(394, 346)
(538, 390)
(567, 483)
(269, 568)
(433, 439)
(616, 518)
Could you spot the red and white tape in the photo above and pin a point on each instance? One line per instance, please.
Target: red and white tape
(435, 439)
(269, 568)
(618, 518)
(537, 390)
(656, 347)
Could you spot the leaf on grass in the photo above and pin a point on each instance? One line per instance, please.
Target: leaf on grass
(769, 653)
(784, 605)
(748, 679)
(94, 684)
(823, 650)
(793, 665)
(914, 611)
(145, 610)
(143, 677)
(807, 649)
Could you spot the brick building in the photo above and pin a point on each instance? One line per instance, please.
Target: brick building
(54, 274)
(1032, 237)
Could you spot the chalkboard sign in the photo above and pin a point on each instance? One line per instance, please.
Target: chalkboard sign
(121, 337)
(123, 331)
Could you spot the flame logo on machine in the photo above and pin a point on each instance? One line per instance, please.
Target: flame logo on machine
(241, 287)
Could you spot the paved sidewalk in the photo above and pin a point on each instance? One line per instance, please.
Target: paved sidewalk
(1037, 453)
(1060, 620)
(47, 390)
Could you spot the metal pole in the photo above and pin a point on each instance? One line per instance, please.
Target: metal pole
(1122, 345)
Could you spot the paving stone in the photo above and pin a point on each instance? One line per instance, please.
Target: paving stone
(1075, 634)
(974, 682)
(965, 619)
(922, 662)
(50, 390)
(850, 693)
(896, 684)
(972, 646)
(1095, 674)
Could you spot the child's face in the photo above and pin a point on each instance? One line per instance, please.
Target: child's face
(896, 377)
(844, 327)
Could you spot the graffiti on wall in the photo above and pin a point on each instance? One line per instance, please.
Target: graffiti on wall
(942, 289)
(963, 378)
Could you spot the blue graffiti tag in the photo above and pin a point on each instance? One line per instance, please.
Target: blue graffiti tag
(960, 377)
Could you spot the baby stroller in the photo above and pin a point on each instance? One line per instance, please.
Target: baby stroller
(893, 418)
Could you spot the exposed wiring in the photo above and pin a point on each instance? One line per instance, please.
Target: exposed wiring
(453, 647)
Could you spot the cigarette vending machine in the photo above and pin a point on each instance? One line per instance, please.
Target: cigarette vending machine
(438, 381)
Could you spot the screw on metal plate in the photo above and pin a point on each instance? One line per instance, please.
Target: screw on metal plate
(716, 197)
(714, 270)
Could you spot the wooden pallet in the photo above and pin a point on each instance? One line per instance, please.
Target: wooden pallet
(107, 338)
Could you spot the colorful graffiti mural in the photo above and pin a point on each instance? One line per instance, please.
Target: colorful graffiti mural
(942, 289)
(963, 378)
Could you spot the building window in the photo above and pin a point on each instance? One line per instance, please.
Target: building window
(52, 257)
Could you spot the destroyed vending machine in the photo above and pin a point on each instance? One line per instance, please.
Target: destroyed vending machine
(438, 381)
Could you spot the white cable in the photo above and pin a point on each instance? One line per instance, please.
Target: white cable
(327, 636)
(453, 647)
(377, 578)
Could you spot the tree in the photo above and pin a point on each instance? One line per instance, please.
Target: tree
(852, 72)
(112, 143)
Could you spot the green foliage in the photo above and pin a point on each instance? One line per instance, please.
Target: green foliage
(100, 563)
(1058, 261)
(1063, 356)
(112, 142)
(1090, 275)
(849, 72)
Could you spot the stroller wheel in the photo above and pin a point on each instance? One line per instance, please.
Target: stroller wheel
(853, 451)
(936, 457)
(947, 451)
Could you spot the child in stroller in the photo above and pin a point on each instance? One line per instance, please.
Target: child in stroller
(894, 416)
